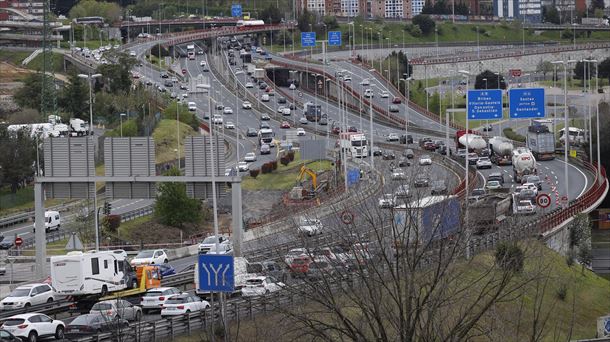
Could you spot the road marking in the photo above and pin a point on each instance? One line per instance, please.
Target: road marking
(552, 172)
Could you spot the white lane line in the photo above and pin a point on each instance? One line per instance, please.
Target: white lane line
(552, 172)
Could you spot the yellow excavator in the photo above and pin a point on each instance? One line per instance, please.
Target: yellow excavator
(307, 171)
(317, 187)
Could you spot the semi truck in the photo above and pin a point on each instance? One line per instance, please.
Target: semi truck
(488, 211)
(312, 112)
(265, 136)
(475, 141)
(354, 143)
(78, 127)
(541, 142)
(501, 150)
(524, 163)
(259, 73)
(427, 218)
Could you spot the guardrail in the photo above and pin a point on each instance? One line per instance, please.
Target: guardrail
(11, 220)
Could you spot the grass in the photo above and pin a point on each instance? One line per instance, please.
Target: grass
(21, 201)
(14, 57)
(37, 63)
(285, 177)
(126, 228)
(53, 248)
(165, 139)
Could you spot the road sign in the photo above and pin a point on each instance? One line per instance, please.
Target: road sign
(18, 241)
(564, 201)
(236, 10)
(484, 104)
(347, 217)
(334, 38)
(572, 153)
(216, 273)
(525, 103)
(515, 72)
(543, 200)
(308, 39)
(353, 176)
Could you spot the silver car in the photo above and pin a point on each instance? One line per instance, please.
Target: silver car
(117, 309)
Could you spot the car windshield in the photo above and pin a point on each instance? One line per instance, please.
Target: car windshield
(20, 293)
(425, 156)
(493, 183)
(144, 254)
(533, 179)
(319, 264)
(524, 203)
(176, 300)
(295, 252)
(13, 321)
(484, 159)
(299, 261)
(209, 239)
(153, 293)
(102, 306)
(254, 281)
(478, 192)
(85, 319)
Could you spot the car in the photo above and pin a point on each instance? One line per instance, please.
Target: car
(309, 226)
(476, 194)
(336, 129)
(323, 120)
(421, 181)
(425, 160)
(388, 155)
(164, 75)
(183, 87)
(25, 296)
(402, 191)
(525, 193)
(184, 95)
(292, 106)
(31, 326)
(392, 137)
(300, 132)
(399, 174)
(270, 91)
(472, 158)
(384, 94)
(246, 105)
(488, 128)
(265, 149)
(265, 98)
(262, 86)
(202, 63)
(166, 270)
(243, 167)
(7, 242)
(524, 207)
(150, 257)
(264, 124)
(251, 132)
(320, 268)
(182, 304)
(493, 185)
(173, 95)
(299, 266)
(404, 162)
(429, 146)
(531, 186)
(292, 86)
(409, 153)
(294, 253)
(250, 157)
(438, 188)
(260, 285)
(377, 152)
(396, 100)
(286, 111)
(497, 176)
(219, 106)
(303, 121)
(217, 119)
(484, 163)
(461, 152)
(265, 117)
(281, 100)
(347, 78)
(368, 93)
(249, 85)
(116, 309)
(365, 82)
(394, 109)
(227, 110)
(6, 336)
(534, 180)
(352, 129)
(386, 201)
(229, 125)
(285, 124)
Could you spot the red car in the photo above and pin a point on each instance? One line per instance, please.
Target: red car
(285, 124)
(352, 129)
(396, 100)
(300, 266)
(430, 146)
(336, 130)
(183, 71)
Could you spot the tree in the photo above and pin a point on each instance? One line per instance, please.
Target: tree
(545, 67)
(492, 80)
(579, 71)
(116, 77)
(550, 14)
(29, 96)
(90, 8)
(173, 207)
(331, 22)
(462, 9)
(596, 5)
(425, 23)
(18, 157)
(305, 19)
(271, 14)
(604, 69)
(74, 97)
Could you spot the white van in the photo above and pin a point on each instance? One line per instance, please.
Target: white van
(192, 106)
(265, 97)
(52, 221)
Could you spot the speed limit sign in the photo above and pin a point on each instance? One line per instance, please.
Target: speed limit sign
(543, 200)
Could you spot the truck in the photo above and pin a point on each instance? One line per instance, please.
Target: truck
(250, 68)
(240, 275)
(577, 135)
(594, 21)
(541, 142)
(524, 163)
(354, 143)
(501, 150)
(488, 211)
(312, 112)
(427, 219)
(475, 142)
(265, 136)
(78, 127)
(208, 245)
(259, 73)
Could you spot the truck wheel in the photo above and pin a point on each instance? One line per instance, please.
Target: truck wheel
(104, 291)
(27, 305)
(165, 261)
(59, 333)
(33, 336)
(50, 300)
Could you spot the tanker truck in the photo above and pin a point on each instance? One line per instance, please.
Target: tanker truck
(475, 142)
(524, 164)
(501, 150)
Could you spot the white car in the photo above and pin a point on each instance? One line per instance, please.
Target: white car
(532, 187)
(387, 201)
(425, 160)
(217, 119)
(150, 257)
(192, 106)
(117, 309)
(265, 97)
(303, 121)
(310, 226)
(249, 85)
(292, 86)
(202, 63)
(384, 94)
(365, 82)
(183, 304)
(280, 109)
(246, 105)
(294, 253)
(227, 110)
(243, 167)
(260, 285)
(399, 174)
(229, 125)
(27, 295)
(392, 137)
(524, 207)
(368, 93)
(154, 299)
(32, 326)
(208, 245)
(483, 163)
(250, 157)
(300, 132)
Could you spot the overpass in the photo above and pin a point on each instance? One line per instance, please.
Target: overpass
(553, 27)
(177, 22)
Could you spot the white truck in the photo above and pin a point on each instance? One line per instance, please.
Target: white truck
(208, 245)
(524, 163)
(259, 73)
(91, 273)
(265, 136)
(355, 143)
(501, 150)
(52, 221)
(78, 127)
(240, 275)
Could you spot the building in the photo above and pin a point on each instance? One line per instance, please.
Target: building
(394, 9)
(417, 6)
(526, 10)
(33, 8)
(350, 8)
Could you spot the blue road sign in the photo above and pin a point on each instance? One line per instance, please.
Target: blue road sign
(216, 273)
(353, 176)
(484, 104)
(334, 38)
(607, 325)
(308, 39)
(236, 10)
(526, 103)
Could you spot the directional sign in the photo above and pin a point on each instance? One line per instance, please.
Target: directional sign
(216, 273)
(607, 326)
(308, 39)
(18, 241)
(526, 103)
(236, 10)
(543, 200)
(353, 176)
(484, 104)
(334, 38)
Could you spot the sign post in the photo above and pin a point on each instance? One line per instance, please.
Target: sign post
(18, 241)
(526, 103)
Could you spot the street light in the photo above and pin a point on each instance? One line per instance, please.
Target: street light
(485, 82)
(407, 86)
(466, 74)
(596, 119)
(121, 119)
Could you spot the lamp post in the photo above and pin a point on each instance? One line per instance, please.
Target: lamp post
(239, 72)
(589, 107)
(466, 74)
(407, 84)
(436, 39)
(121, 120)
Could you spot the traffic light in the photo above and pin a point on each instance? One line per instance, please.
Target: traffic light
(107, 208)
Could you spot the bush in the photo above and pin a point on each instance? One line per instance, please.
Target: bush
(254, 173)
(562, 292)
(509, 257)
(291, 156)
(425, 23)
(265, 168)
(273, 164)
(416, 32)
(112, 223)
(284, 161)
(512, 135)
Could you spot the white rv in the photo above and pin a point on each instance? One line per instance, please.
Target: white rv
(79, 273)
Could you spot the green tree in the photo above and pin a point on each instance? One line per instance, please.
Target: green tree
(271, 15)
(90, 8)
(17, 158)
(116, 77)
(550, 14)
(74, 97)
(510, 257)
(171, 112)
(173, 207)
(492, 81)
(544, 67)
(604, 69)
(304, 20)
(425, 23)
(29, 96)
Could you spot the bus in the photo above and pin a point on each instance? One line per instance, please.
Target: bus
(89, 21)
(190, 51)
